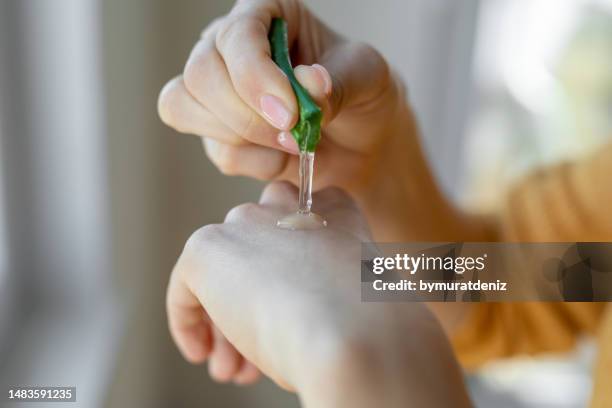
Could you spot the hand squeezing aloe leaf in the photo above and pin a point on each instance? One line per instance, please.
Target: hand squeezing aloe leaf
(306, 132)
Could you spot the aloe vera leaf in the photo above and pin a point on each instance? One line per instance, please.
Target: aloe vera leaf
(307, 131)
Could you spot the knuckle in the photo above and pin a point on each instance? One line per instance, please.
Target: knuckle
(236, 141)
(240, 3)
(247, 130)
(279, 189)
(242, 212)
(191, 74)
(280, 192)
(210, 148)
(232, 25)
(212, 27)
(226, 160)
(253, 129)
(368, 51)
(236, 31)
(224, 32)
(199, 67)
(267, 173)
(201, 238)
(378, 62)
(167, 102)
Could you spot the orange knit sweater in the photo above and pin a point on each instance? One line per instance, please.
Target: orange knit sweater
(570, 202)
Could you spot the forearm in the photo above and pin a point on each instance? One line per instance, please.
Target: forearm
(367, 394)
(403, 201)
(402, 369)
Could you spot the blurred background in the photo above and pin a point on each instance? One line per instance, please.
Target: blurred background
(97, 197)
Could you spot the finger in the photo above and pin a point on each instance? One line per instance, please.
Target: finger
(244, 46)
(188, 323)
(262, 163)
(207, 79)
(225, 360)
(250, 213)
(179, 110)
(211, 29)
(248, 374)
(353, 84)
(317, 81)
(287, 142)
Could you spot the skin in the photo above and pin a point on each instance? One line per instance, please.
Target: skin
(334, 351)
(224, 94)
(233, 96)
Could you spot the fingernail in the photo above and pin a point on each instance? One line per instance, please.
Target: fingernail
(275, 111)
(325, 76)
(286, 140)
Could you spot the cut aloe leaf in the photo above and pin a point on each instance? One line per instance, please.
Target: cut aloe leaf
(307, 131)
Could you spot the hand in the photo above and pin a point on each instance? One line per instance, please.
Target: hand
(233, 95)
(289, 302)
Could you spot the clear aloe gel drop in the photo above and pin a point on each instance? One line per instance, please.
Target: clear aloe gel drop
(303, 218)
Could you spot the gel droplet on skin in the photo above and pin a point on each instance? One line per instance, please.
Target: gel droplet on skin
(304, 219)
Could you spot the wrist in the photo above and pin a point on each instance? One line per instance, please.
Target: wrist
(402, 200)
(350, 373)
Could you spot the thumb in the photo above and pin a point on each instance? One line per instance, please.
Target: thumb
(318, 82)
(348, 75)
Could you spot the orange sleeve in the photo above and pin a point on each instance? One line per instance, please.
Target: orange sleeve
(602, 393)
(498, 330)
(569, 202)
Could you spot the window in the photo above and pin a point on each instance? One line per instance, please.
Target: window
(542, 91)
